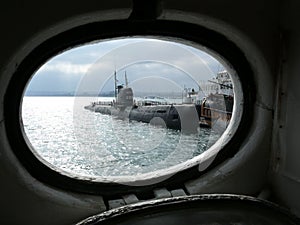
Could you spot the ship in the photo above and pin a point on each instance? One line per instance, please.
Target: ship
(155, 112)
(213, 111)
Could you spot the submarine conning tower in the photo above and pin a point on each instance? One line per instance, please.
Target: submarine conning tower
(125, 97)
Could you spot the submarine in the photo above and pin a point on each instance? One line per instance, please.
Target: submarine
(212, 111)
(164, 115)
(251, 176)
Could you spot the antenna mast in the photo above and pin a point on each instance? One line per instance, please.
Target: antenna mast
(115, 77)
(126, 81)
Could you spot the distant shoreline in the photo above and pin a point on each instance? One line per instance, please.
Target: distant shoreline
(65, 96)
(108, 94)
(40, 94)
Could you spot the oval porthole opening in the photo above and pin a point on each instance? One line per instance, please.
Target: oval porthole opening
(128, 112)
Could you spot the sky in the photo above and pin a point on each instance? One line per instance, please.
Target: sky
(150, 65)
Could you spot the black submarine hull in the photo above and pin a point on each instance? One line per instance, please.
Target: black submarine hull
(169, 116)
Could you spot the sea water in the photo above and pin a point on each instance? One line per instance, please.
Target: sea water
(76, 140)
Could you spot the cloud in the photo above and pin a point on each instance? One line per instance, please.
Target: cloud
(65, 67)
(91, 67)
(155, 84)
(147, 58)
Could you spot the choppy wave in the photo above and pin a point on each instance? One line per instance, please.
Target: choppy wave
(91, 144)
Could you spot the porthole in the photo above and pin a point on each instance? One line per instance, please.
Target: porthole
(76, 118)
(128, 109)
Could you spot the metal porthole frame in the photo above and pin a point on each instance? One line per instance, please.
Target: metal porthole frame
(114, 29)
